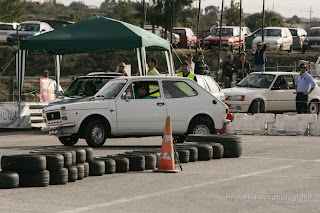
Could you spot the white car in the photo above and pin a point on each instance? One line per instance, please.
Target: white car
(277, 38)
(259, 92)
(5, 29)
(123, 108)
(211, 85)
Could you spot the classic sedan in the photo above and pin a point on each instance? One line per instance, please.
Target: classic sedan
(268, 92)
(137, 106)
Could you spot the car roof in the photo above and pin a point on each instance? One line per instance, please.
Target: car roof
(32, 22)
(276, 73)
(181, 28)
(104, 74)
(159, 77)
(275, 27)
(315, 28)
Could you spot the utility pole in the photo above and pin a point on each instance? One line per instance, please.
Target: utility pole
(171, 30)
(263, 20)
(220, 35)
(310, 15)
(240, 28)
(143, 18)
(198, 23)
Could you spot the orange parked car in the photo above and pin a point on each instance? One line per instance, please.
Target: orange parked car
(187, 38)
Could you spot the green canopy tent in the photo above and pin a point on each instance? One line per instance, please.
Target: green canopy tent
(95, 34)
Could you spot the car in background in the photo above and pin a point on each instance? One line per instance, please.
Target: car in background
(159, 31)
(230, 38)
(312, 40)
(268, 92)
(28, 29)
(277, 38)
(245, 31)
(122, 108)
(6, 29)
(298, 36)
(56, 24)
(78, 89)
(208, 83)
(249, 38)
(187, 38)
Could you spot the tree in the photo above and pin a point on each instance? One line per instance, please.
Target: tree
(232, 14)
(78, 6)
(294, 20)
(107, 4)
(11, 10)
(124, 11)
(209, 10)
(254, 21)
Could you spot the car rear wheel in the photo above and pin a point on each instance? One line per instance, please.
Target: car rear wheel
(313, 107)
(68, 140)
(201, 125)
(290, 50)
(95, 133)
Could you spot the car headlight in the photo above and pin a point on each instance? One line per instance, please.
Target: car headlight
(63, 111)
(236, 98)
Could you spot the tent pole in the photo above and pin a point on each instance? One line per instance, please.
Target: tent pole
(57, 59)
(144, 61)
(20, 71)
(139, 61)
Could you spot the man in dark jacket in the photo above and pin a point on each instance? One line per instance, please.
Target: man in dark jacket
(201, 67)
(259, 57)
(243, 67)
(228, 68)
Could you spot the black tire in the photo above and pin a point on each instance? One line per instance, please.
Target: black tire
(86, 169)
(122, 164)
(95, 133)
(257, 106)
(201, 126)
(80, 155)
(9, 180)
(68, 150)
(232, 145)
(137, 162)
(313, 107)
(290, 50)
(69, 140)
(193, 151)
(80, 167)
(184, 155)
(89, 154)
(97, 168)
(150, 163)
(281, 47)
(23, 163)
(205, 152)
(110, 164)
(34, 179)
(72, 174)
(217, 151)
(54, 161)
(59, 177)
(179, 139)
(67, 156)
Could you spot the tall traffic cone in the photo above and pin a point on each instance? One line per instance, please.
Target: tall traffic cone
(166, 162)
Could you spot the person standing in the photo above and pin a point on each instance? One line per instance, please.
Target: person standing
(304, 86)
(190, 62)
(185, 72)
(217, 25)
(243, 67)
(228, 68)
(122, 69)
(201, 67)
(152, 62)
(259, 57)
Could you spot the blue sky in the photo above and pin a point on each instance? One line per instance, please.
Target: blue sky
(286, 8)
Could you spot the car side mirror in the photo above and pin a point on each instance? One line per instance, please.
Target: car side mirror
(126, 96)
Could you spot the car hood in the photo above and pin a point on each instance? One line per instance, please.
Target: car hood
(240, 91)
(216, 38)
(24, 33)
(82, 105)
(67, 100)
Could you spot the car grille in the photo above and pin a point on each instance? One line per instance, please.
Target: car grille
(53, 116)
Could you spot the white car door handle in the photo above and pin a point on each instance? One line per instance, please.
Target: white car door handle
(160, 104)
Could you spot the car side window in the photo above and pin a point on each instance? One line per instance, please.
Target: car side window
(177, 89)
(212, 85)
(143, 90)
(290, 81)
(202, 83)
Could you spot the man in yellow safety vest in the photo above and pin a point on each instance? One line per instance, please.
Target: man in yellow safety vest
(186, 72)
(152, 62)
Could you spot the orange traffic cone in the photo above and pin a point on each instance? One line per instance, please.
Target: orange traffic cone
(166, 162)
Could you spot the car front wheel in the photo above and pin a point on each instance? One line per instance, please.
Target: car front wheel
(68, 140)
(95, 133)
(313, 107)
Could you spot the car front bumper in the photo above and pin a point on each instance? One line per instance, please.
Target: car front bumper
(57, 130)
(238, 106)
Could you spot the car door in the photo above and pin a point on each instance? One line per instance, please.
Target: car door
(282, 98)
(181, 101)
(140, 114)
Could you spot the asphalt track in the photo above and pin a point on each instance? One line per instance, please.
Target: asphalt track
(274, 174)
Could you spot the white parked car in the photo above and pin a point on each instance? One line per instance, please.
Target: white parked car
(211, 85)
(277, 38)
(268, 92)
(137, 106)
(5, 29)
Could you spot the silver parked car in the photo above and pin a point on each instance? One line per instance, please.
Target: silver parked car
(298, 36)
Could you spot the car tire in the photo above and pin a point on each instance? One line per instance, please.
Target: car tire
(290, 49)
(9, 180)
(95, 133)
(34, 179)
(313, 107)
(254, 107)
(68, 140)
(23, 163)
(184, 154)
(201, 126)
(59, 177)
(281, 47)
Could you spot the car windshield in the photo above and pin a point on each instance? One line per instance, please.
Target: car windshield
(294, 32)
(225, 32)
(257, 81)
(29, 27)
(111, 89)
(314, 32)
(6, 27)
(180, 31)
(273, 32)
(85, 87)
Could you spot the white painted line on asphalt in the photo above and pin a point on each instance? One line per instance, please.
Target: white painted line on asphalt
(126, 200)
(317, 160)
(251, 141)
